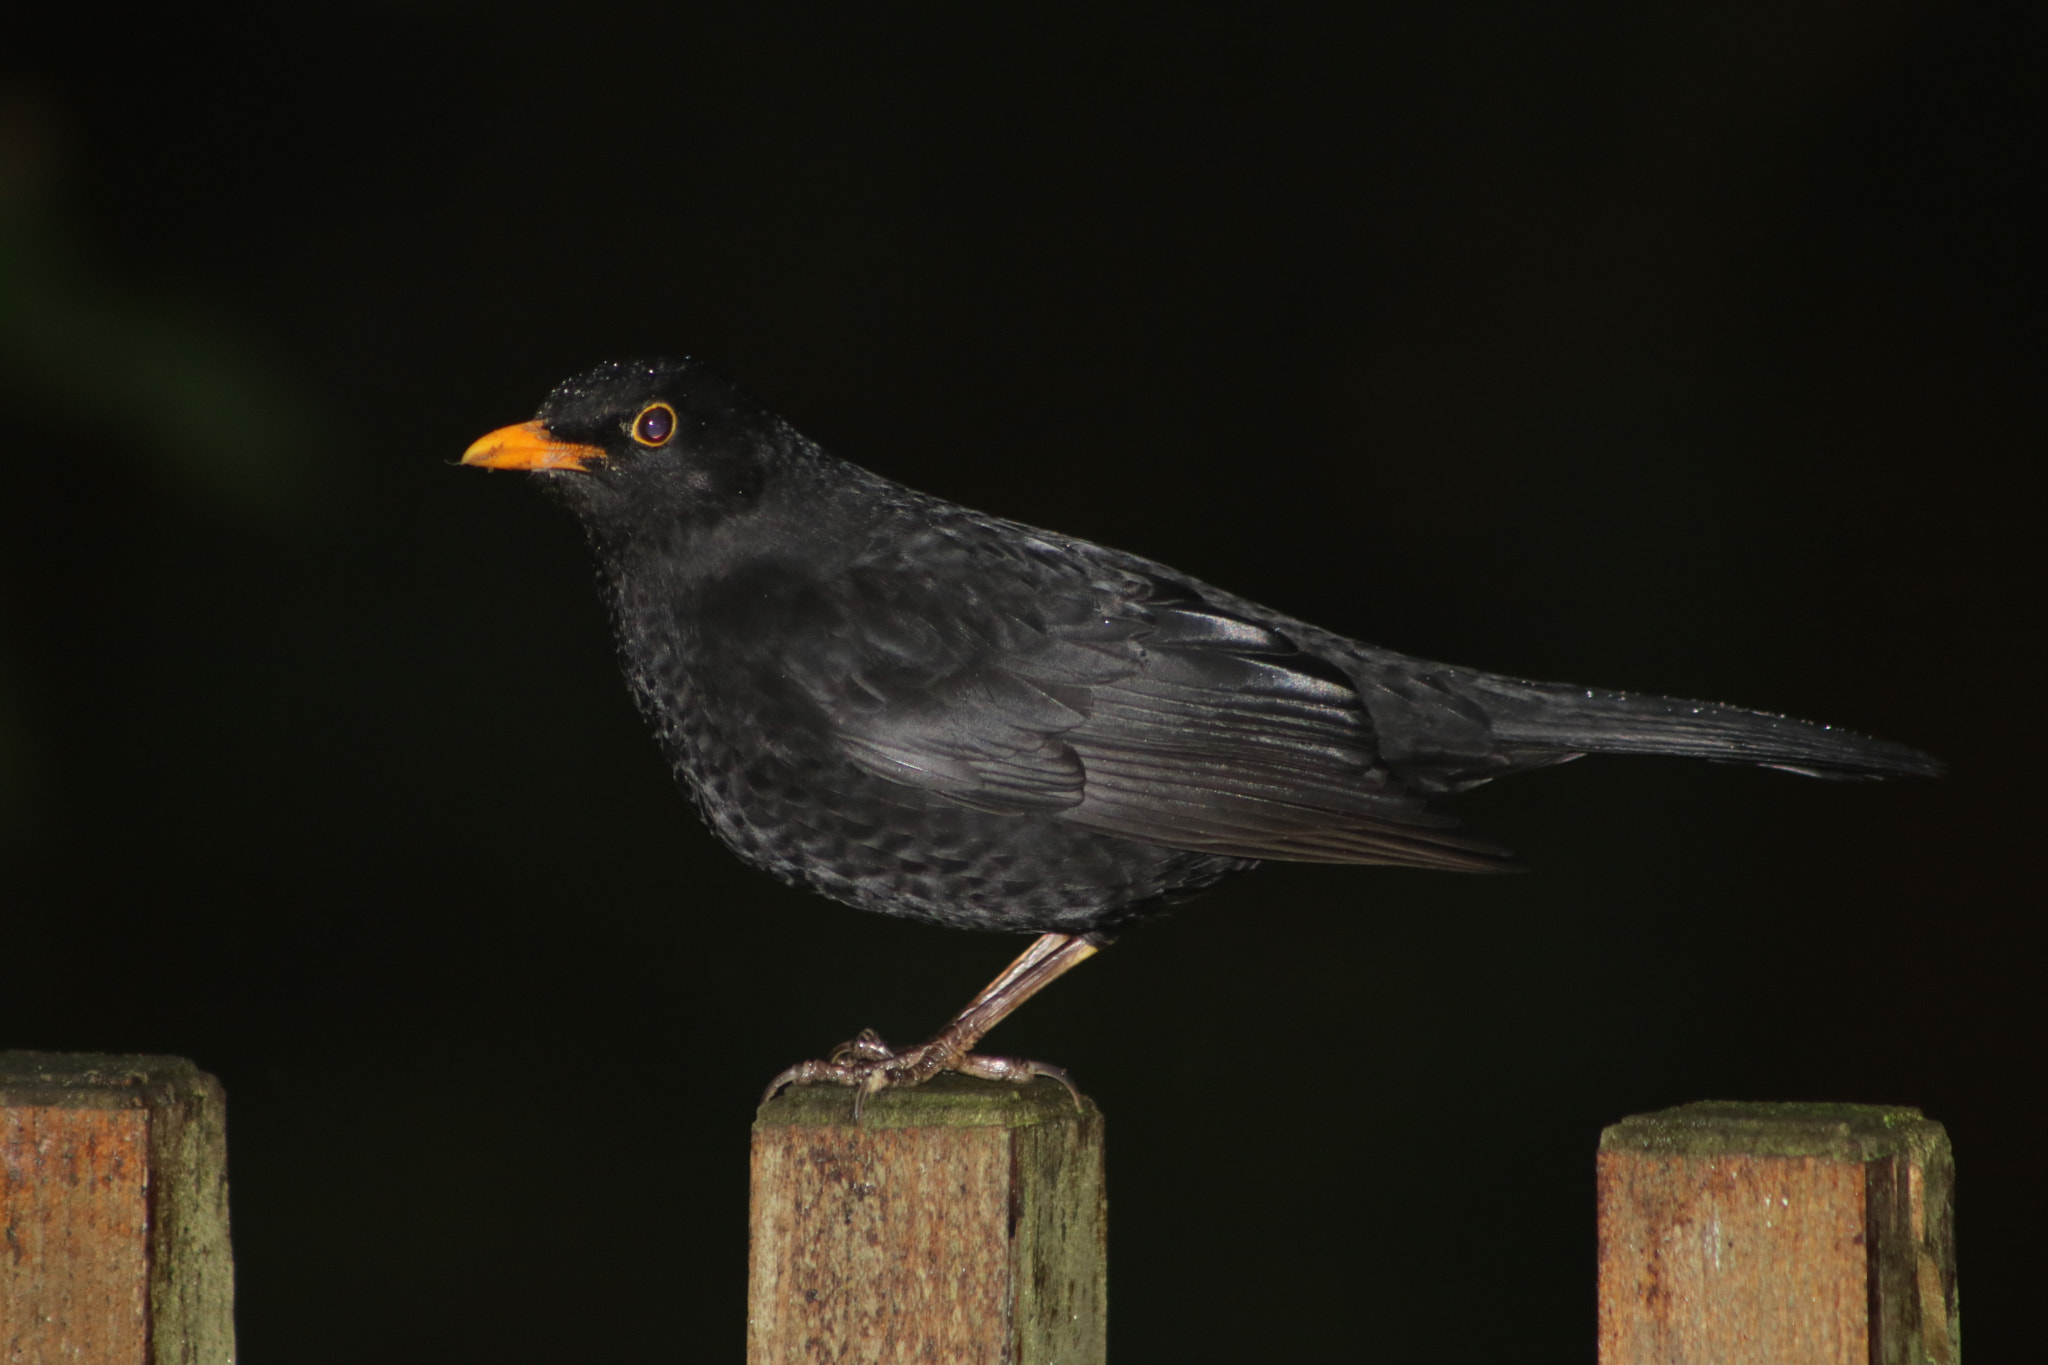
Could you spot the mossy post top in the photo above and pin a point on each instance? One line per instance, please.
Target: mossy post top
(1844, 1132)
(95, 1080)
(945, 1101)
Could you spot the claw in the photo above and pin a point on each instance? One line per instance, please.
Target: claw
(868, 1065)
(1016, 1070)
(867, 1046)
(803, 1073)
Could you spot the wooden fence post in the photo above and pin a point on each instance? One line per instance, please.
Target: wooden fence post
(1777, 1234)
(962, 1221)
(113, 1212)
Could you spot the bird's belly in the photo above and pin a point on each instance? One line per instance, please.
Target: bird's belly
(818, 821)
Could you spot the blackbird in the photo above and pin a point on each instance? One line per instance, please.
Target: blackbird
(925, 711)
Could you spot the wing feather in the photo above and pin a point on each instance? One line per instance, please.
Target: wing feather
(1131, 704)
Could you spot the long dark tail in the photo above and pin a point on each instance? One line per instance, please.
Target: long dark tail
(1560, 718)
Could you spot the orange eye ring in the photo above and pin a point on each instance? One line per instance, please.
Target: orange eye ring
(654, 425)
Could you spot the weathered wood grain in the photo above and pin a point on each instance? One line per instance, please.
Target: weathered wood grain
(960, 1222)
(113, 1212)
(1777, 1234)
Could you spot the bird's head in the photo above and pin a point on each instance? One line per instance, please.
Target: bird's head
(633, 439)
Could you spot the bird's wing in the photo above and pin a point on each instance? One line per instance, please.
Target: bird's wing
(1123, 700)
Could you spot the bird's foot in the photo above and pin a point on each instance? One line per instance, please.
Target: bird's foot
(867, 1065)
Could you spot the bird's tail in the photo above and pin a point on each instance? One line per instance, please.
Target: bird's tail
(1561, 718)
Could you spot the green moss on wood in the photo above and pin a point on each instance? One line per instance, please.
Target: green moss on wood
(191, 1263)
(946, 1101)
(1845, 1132)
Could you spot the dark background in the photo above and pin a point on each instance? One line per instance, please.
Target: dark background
(1677, 348)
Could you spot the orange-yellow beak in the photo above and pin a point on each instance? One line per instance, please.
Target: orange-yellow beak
(528, 446)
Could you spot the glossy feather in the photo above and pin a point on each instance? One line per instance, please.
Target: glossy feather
(926, 711)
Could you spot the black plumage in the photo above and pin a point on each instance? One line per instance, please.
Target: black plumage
(925, 711)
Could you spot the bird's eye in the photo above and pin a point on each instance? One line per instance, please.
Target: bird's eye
(655, 424)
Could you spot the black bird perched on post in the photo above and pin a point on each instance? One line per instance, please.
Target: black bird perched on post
(917, 709)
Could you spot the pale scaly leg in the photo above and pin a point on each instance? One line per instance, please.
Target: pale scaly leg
(868, 1064)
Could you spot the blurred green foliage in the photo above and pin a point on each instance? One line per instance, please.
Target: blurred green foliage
(184, 390)
(187, 389)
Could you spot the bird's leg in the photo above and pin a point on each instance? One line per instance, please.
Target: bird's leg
(947, 1050)
(868, 1064)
